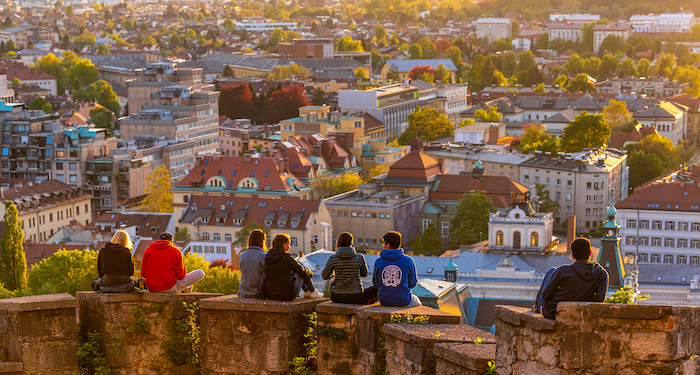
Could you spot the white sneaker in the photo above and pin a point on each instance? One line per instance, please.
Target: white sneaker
(314, 294)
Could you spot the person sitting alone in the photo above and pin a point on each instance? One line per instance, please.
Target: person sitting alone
(395, 274)
(348, 266)
(582, 280)
(285, 277)
(252, 261)
(115, 265)
(164, 269)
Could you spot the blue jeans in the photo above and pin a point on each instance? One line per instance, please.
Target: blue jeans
(539, 302)
(301, 283)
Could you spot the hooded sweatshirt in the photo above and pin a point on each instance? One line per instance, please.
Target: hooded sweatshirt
(115, 265)
(162, 266)
(348, 266)
(579, 281)
(280, 268)
(252, 262)
(394, 276)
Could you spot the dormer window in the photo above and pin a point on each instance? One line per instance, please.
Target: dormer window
(268, 223)
(295, 224)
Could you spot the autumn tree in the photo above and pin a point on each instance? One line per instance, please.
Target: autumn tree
(159, 198)
(582, 82)
(489, 115)
(616, 114)
(419, 70)
(285, 103)
(379, 169)
(586, 131)
(347, 44)
(287, 72)
(442, 74)
(51, 275)
(236, 102)
(415, 52)
(14, 262)
(427, 124)
(535, 138)
(102, 118)
(471, 221)
(360, 73)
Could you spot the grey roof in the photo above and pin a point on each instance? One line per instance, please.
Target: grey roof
(240, 214)
(284, 216)
(565, 116)
(221, 59)
(297, 216)
(190, 215)
(670, 274)
(223, 213)
(119, 62)
(405, 66)
(16, 29)
(271, 215)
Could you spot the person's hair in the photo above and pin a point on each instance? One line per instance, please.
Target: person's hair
(279, 241)
(122, 238)
(581, 247)
(257, 237)
(345, 240)
(393, 238)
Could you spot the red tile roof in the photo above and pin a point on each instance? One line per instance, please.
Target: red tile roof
(415, 164)
(454, 186)
(666, 194)
(27, 74)
(621, 139)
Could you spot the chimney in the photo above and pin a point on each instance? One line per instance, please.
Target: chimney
(247, 158)
(280, 165)
(197, 160)
(493, 135)
(570, 231)
(286, 165)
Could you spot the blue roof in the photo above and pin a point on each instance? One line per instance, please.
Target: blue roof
(82, 132)
(405, 66)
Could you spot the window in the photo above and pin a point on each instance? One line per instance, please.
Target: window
(380, 159)
(644, 224)
(534, 239)
(695, 227)
(568, 196)
(655, 258)
(50, 217)
(588, 198)
(683, 226)
(426, 222)
(205, 236)
(569, 183)
(73, 178)
(642, 257)
(72, 166)
(588, 211)
(314, 238)
(445, 228)
(631, 224)
(358, 124)
(499, 238)
(656, 241)
(588, 224)
(558, 181)
(694, 260)
(670, 225)
(644, 241)
(695, 244)
(629, 240)
(526, 178)
(669, 242)
(557, 195)
(656, 224)
(293, 241)
(217, 237)
(227, 237)
(77, 210)
(668, 258)
(680, 259)
(588, 185)
(537, 179)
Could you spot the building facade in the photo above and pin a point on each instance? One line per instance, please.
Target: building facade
(600, 32)
(492, 29)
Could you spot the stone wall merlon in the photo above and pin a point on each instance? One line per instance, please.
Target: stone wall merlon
(429, 334)
(522, 316)
(39, 303)
(378, 312)
(234, 303)
(332, 308)
(468, 356)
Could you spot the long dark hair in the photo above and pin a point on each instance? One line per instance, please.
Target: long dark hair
(279, 241)
(257, 237)
(345, 240)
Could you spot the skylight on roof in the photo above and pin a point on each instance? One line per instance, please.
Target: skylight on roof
(206, 161)
(233, 173)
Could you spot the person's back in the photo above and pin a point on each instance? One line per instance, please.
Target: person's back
(115, 265)
(347, 267)
(280, 270)
(395, 274)
(162, 266)
(580, 281)
(252, 262)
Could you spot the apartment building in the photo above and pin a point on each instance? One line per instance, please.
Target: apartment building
(28, 144)
(693, 122)
(448, 99)
(600, 32)
(156, 76)
(663, 23)
(34, 77)
(652, 87)
(565, 31)
(46, 206)
(307, 48)
(492, 29)
(25, 34)
(574, 18)
(660, 221)
(403, 67)
(668, 118)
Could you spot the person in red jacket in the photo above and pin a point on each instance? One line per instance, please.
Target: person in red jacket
(164, 269)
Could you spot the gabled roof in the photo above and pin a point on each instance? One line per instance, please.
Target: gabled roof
(416, 164)
(621, 139)
(454, 186)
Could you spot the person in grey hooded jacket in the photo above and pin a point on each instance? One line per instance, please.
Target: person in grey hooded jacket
(348, 266)
(252, 262)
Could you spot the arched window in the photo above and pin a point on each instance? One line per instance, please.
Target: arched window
(534, 239)
(516, 240)
(499, 238)
(217, 237)
(205, 236)
(227, 237)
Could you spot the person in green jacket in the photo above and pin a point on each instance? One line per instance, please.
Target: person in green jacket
(348, 266)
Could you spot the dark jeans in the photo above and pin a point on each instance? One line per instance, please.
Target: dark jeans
(301, 283)
(357, 298)
(539, 302)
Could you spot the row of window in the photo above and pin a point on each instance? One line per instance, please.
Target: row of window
(207, 249)
(666, 258)
(667, 242)
(60, 215)
(534, 239)
(372, 215)
(664, 225)
(217, 237)
(526, 178)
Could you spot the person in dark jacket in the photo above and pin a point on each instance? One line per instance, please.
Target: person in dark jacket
(115, 264)
(252, 262)
(395, 274)
(582, 280)
(348, 267)
(284, 276)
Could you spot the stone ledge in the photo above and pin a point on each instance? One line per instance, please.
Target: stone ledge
(518, 315)
(594, 310)
(337, 308)
(8, 367)
(424, 335)
(40, 302)
(379, 312)
(472, 356)
(144, 297)
(235, 303)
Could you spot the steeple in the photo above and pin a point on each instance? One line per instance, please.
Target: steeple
(451, 271)
(478, 170)
(610, 255)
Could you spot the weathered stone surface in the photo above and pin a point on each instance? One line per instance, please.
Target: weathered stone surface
(10, 367)
(383, 313)
(233, 302)
(40, 302)
(653, 346)
(429, 334)
(332, 308)
(463, 358)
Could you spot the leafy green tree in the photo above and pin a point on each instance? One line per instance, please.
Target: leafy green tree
(47, 108)
(581, 83)
(417, 245)
(535, 138)
(539, 89)
(103, 118)
(471, 222)
(319, 96)
(489, 115)
(415, 52)
(562, 82)
(501, 44)
(347, 44)
(616, 114)
(241, 237)
(643, 168)
(609, 64)
(159, 198)
(67, 271)
(105, 95)
(217, 279)
(102, 50)
(546, 204)
(81, 74)
(627, 68)
(586, 131)
(574, 64)
(38, 104)
(183, 235)
(455, 54)
(643, 67)
(509, 64)
(442, 74)
(14, 262)
(432, 244)
(428, 48)
(427, 124)
(379, 32)
(85, 39)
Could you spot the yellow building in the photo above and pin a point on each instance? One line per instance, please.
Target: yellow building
(376, 153)
(330, 87)
(314, 119)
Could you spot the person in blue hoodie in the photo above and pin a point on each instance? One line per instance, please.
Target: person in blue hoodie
(395, 274)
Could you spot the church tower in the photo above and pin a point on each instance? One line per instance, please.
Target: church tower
(451, 272)
(610, 255)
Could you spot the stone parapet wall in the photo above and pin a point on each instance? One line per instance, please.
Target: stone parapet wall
(598, 338)
(251, 336)
(134, 327)
(38, 335)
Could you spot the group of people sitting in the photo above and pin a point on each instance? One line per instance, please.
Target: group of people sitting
(276, 275)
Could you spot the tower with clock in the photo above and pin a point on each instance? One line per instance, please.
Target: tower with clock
(610, 255)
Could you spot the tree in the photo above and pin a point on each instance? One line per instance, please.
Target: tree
(67, 271)
(379, 32)
(471, 222)
(103, 118)
(318, 96)
(288, 72)
(574, 64)
(379, 169)
(105, 95)
(545, 202)
(217, 279)
(539, 89)
(442, 74)
(442, 45)
(69, 10)
(14, 262)
(643, 167)
(490, 115)
(360, 73)
(582, 82)
(183, 235)
(228, 71)
(562, 82)
(432, 244)
(428, 49)
(285, 103)
(417, 245)
(347, 44)
(609, 64)
(38, 104)
(616, 114)
(323, 187)
(346, 182)
(415, 52)
(241, 237)
(612, 43)
(237, 102)
(159, 198)
(627, 68)
(102, 50)
(419, 70)
(501, 44)
(586, 131)
(455, 54)
(643, 67)
(509, 64)
(174, 40)
(535, 138)
(81, 74)
(85, 39)
(427, 124)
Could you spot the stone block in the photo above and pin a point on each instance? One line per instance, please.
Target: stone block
(337, 355)
(10, 367)
(581, 350)
(654, 346)
(39, 303)
(470, 358)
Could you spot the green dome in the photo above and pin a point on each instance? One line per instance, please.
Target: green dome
(611, 211)
(451, 266)
(478, 165)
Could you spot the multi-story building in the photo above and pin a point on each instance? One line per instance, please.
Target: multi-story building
(492, 29)
(34, 77)
(668, 118)
(652, 87)
(448, 99)
(663, 23)
(177, 109)
(45, 207)
(234, 136)
(376, 153)
(660, 221)
(219, 218)
(307, 48)
(401, 68)
(28, 145)
(565, 31)
(693, 122)
(259, 26)
(25, 34)
(390, 105)
(600, 32)
(574, 18)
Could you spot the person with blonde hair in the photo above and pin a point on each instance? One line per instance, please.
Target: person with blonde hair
(252, 261)
(285, 277)
(115, 265)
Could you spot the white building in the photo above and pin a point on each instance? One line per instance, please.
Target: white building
(600, 32)
(663, 23)
(520, 228)
(669, 119)
(565, 31)
(578, 18)
(493, 28)
(266, 26)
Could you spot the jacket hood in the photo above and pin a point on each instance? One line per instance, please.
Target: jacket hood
(160, 245)
(274, 256)
(113, 247)
(588, 271)
(391, 254)
(345, 252)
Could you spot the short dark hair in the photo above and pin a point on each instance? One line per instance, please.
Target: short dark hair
(393, 238)
(581, 247)
(166, 236)
(345, 240)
